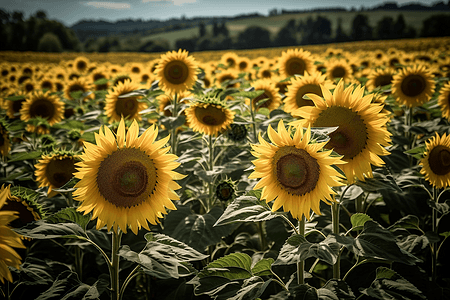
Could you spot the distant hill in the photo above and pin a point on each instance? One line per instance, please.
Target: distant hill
(86, 29)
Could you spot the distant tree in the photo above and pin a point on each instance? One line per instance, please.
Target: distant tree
(223, 29)
(287, 36)
(254, 37)
(40, 14)
(49, 42)
(188, 44)
(410, 32)
(340, 35)
(216, 29)
(322, 29)
(436, 25)
(399, 26)
(5, 17)
(273, 12)
(202, 29)
(385, 28)
(19, 30)
(361, 29)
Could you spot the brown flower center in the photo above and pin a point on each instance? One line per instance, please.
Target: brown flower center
(210, 115)
(59, 171)
(439, 160)
(383, 80)
(128, 107)
(176, 72)
(306, 89)
(338, 72)
(351, 136)
(266, 95)
(42, 108)
(296, 171)
(127, 177)
(413, 85)
(295, 65)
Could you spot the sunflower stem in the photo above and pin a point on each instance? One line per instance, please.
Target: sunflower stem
(211, 168)
(252, 113)
(434, 221)
(114, 267)
(130, 277)
(174, 129)
(301, 264)
(335, 220)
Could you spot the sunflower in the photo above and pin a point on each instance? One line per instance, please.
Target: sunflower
(302, 85)
(413, 86)
(13, 107)
(47, 83)
(379, 77)
(25, 204)
(56, 169)
(29, 86)
(224, 76)
(436, 161)
(8, 239)
(43, 105)
(295, 61)
(444, 100)
(362, 131)
(270, 93)
(5, 144)
(266, 72)
(243, 64)
(209, 115)
(176, 71)
(127, 181)
(230, 60)
(338, 68)
(78, 85)
(99, 74)
(135, 68)
(81, 64)
(128, 107)
(293, 172)
(166, 100)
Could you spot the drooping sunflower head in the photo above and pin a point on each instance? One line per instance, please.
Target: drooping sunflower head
(444, 100)
(338, 69)
(270, 95)
(226, 190)
(77, 88)
(127, 107)
(176, 71)
(302, 85)
(436, 161)
(237, 132)
(5, 144)
(8, 239)
(126, 180)
(45, 105)
(209, 114)
(24, 202)
(413, 86)
(55, 169)
(379, 77)
(294, 172)
(362, 133)
(295, 61)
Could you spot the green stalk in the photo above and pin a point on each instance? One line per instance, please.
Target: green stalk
(114, 267)
(335, 220)
(130, 277)
(252, 113)
(262, 236)
(435, 230)
(301, 264)
(211, 168)
(174, 129)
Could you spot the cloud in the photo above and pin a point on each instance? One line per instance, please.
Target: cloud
(109, 5)
(174, 2)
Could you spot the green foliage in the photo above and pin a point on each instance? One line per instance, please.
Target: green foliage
(49, 42)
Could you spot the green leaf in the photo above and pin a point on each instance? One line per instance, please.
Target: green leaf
(407, 222)
(43, 230)
(445, 234)
(263, 267)
(248, 94)
(379, 182)
(220, 287)
(196, 230)
(101, 81)
(389, 285)
(417, 152)
(358, 220)
(252, 288)
(25, 156)
(177, 249)
(69, 215)
(68, 187)
(338, 288)
(297, 248)
(246, 209)
(173, 122)
(233, 266)
(67, 286)
(443, 208)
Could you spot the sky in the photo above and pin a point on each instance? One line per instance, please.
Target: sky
(70, 12)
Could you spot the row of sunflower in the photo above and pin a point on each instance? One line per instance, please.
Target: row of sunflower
(359, 164)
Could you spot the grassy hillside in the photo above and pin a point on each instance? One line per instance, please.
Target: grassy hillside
(274, 23)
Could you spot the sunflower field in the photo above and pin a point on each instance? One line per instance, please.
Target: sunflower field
(319, 172)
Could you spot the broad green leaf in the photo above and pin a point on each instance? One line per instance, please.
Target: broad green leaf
(252, 288)
(234, 266)
(248, 94)
(175, 248)
(263, 267)
(69, 186)
(196, 230)
(217, 286)
(25, 156)
(246, 209)
(101, 81)
(70, 214)
(407, 222)
(339, 288)
(43, 230)
(66, 286)
(379, 182)
(445, 234)
(173, 122)
(389, 285)
(358, 220)
(297, 248)
(443, 208)
(417, 152)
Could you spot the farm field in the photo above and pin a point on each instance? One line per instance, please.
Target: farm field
(275, 23)
(279, 173)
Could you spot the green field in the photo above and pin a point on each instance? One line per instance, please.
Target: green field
(274, 23)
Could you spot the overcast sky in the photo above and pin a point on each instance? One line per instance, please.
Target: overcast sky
(71, 11)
